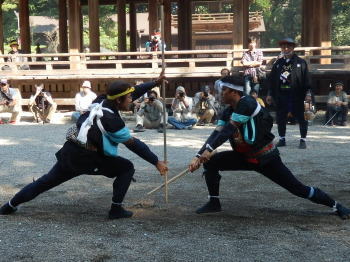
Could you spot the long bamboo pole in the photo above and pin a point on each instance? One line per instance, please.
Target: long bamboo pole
(164, 105)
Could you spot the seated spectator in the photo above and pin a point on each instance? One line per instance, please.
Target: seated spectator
(10, 102)
(150, 114)
(42, 105)
(254, 94)
(219, 105)
(337, 106)
(182, 107)
(83, 100)
(15, 51)
(204, 106)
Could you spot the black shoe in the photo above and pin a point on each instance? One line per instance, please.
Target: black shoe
(302, 144)
(200, 123)
(211, 207)
(188, 127)
(7, 209)
(117, 211)
(342, 212)
(281, 142)
(139, 128)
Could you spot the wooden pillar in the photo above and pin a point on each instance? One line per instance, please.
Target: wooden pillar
(245, 23)
(62, 26)
(152, 16)
(325, 28)
(316, 26)
(74, 25)
(1, 30)
(307, 22)
(121, 4)
(133, 27)
(316, 22)
(81, 23)
(184, 24)
(240, 23)
(74, 14)
(240, 26)
(94, 26)
(24, 26)
(167, 24)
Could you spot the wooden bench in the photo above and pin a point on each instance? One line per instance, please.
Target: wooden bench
(323, 99)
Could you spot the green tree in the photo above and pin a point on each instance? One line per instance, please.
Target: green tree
(282, 19)
(10, 22)
(341, 22)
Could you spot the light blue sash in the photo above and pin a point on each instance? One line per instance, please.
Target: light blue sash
(245, 120)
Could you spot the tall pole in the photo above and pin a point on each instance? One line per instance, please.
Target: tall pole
(1, 30)
(163, 94)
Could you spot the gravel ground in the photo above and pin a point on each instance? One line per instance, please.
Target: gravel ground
(260, 221)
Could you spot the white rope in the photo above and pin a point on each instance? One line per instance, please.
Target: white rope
(96, 110)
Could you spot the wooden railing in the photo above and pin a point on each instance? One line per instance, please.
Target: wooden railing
(214, 17)
(194, 63)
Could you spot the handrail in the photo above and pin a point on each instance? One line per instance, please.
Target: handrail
(179, 52)
(179, 63)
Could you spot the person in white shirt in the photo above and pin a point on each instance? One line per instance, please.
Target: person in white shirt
(83, 100)
(182, 107)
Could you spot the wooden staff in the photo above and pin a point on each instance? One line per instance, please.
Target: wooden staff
(181, 174)
(164, 105)
(168, 182)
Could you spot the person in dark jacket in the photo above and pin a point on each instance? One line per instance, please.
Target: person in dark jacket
(247, 126)
(289, 86)
(92, 148)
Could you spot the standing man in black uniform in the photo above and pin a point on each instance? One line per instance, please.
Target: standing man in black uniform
(289, 86)
(247, 126)
(92, 148)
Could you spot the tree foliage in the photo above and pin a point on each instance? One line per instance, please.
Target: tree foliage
(282, 19)
(341, 23)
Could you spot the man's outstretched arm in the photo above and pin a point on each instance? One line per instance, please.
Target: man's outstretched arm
(142, 150)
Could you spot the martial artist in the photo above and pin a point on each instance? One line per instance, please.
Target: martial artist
(247, 126)
(92, 148)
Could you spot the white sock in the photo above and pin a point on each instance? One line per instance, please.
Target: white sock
(213, 197)
(11, 205)
(335, 206)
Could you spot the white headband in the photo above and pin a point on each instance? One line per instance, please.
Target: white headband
(229, 85)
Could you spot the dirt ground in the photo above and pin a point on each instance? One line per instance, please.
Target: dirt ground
(259, 222)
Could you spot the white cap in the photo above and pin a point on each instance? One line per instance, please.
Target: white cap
(86, 84)
(3, 81)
